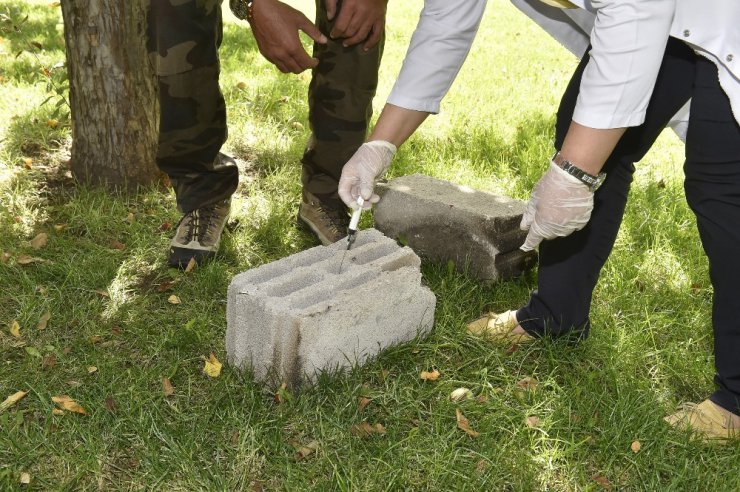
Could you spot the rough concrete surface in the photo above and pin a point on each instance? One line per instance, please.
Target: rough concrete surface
(293, 318)
(444, 221)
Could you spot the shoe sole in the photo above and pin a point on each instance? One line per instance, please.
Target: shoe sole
(180, 257)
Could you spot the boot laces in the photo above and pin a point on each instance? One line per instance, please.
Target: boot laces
(199, 223)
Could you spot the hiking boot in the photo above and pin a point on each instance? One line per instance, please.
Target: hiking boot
(198, 234)
(327, 220)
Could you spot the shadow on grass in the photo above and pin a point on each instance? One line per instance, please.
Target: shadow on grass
(482, 156)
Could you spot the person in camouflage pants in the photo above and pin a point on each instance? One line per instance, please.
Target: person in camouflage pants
(184, 38)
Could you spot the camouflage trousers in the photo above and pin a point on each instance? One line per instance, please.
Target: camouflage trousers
(184, 38)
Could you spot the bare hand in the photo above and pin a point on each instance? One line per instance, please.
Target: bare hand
(275, 26)
(358, 21)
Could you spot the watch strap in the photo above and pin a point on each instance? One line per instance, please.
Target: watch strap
(593, 182)
(242, 9)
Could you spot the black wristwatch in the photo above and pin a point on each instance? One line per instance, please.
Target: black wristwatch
(242, 9)
(593, 182)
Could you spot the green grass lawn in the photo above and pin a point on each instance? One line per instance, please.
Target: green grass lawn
(649, 351)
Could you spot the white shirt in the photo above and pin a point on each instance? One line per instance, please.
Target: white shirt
(437, 50)
(712, 28)
(628, 40)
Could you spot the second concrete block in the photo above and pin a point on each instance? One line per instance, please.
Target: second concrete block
(444, 221)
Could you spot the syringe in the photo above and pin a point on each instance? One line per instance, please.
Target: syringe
(352, 229)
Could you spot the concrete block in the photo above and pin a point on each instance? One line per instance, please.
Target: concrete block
(293, 318)
(444, 221)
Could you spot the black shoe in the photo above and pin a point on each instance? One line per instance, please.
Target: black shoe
(198, 234)
(327, 220)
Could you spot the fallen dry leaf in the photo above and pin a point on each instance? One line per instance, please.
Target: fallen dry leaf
(68, 404)
(303, 451)
(363, 403)
(117, 245)
(27, 162)
(52, 123)
(102, 293)
(212, 366)
(481, 399)
(27, 260)
(110, 404)
(191, 265)
(15, 329)
(527, 383)
(57, 411)
(297, 125)
(43, 321)
(73, 383)
(481, 466)
(464, 425)
(429, 375)
(25, 478)
(49, 361)
(365, 429)
(461, 394)
(167, 387)
(4, 257)
(92, 369)
(602, 480)
(39, 241)
(33, 352)
(130, 218)
(166, 285)
(60, 227)
(173, 299)
(95, 339)
(12, 400)
(532, 421)
(512, 349)
(165, 226)
(282, 393)
(635, 447)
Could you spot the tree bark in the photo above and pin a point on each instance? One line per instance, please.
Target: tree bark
(111, 93)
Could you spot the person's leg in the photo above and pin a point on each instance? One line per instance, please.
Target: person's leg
(184, 37)
(340, 98)
(713, 192)
(569, 267)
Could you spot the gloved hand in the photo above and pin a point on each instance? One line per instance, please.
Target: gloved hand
(560, 205)
(359, 174)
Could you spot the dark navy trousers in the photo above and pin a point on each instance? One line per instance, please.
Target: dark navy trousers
(570, 266)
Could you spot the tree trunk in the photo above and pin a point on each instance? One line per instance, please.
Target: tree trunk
(111, 93)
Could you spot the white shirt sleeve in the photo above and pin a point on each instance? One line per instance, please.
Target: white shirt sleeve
(438, 48)
(627, 45)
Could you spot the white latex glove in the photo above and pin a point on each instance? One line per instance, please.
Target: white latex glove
(560, 205)
(359, 174)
